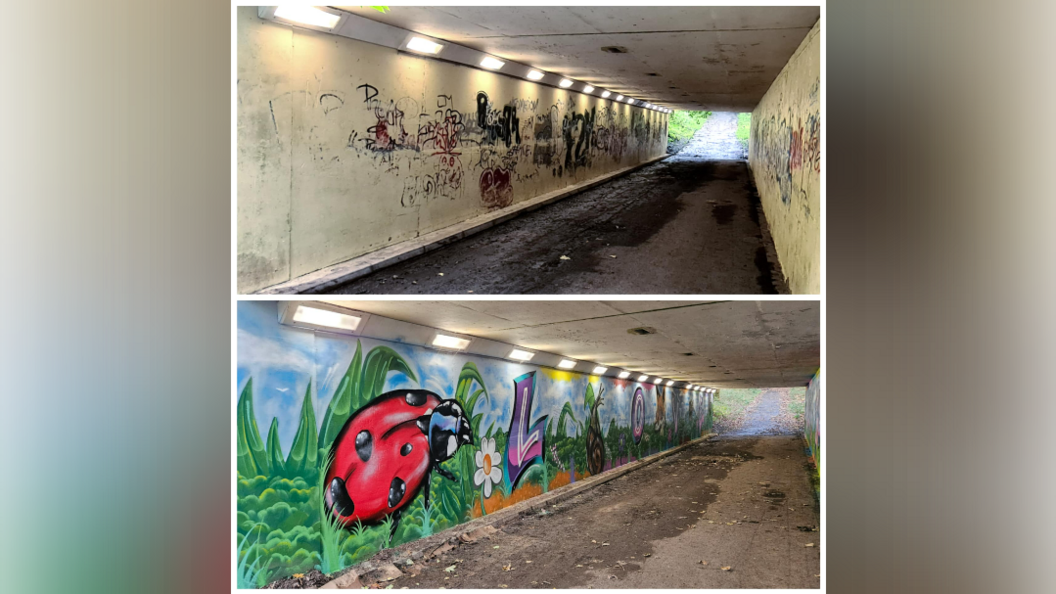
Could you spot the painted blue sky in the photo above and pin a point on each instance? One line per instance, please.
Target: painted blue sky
(282, 360)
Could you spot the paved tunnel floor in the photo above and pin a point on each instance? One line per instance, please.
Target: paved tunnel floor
(687, 225)
(736, 512)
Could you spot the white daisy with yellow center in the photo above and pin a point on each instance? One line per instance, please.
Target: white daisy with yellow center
(488, 460)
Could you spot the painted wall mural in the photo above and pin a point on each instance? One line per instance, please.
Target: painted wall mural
(812, 419)
(371, 444)
(785, 156)
(362, 147)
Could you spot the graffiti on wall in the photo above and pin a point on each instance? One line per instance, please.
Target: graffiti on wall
(789, 146)
(431, 150)
(812, 419)
(372, 444)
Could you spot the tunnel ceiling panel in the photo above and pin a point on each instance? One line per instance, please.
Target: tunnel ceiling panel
(721, 344)
(717, 58)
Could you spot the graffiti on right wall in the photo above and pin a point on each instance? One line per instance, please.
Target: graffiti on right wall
(784, 153)
(812, 414)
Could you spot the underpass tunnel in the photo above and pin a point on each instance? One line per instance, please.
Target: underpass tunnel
(370, 433)
(465, 149)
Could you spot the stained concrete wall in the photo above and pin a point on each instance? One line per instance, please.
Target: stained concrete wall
(785, 156)
(346, 147)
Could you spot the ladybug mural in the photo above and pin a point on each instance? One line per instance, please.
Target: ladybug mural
(387, 451)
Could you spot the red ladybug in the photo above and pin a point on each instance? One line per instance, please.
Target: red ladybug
(387, 451)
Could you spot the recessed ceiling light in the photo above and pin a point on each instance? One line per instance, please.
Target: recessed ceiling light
(669, 382)
(588, 89)
(624, 374)
(535, 74)
(308, 15)
(605, 95)
(566, 364)
(323, 317)
(445, 341)
(419, 44)
(642, 378)
(599, 370)
(619, 97)
(492, 63)
(565, 83)
(520, 355)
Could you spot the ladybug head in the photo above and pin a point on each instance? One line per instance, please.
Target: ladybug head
(449, 430)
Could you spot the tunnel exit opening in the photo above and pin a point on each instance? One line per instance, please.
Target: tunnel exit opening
(709, 136)
(760, 411)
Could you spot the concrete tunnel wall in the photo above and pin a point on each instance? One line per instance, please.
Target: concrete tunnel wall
(784, 154)
(345, 147)
(540, 428)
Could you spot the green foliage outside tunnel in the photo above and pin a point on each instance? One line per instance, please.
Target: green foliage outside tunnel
(682, 125)
(744, 126)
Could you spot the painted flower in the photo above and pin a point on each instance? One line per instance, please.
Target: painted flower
(488, 471)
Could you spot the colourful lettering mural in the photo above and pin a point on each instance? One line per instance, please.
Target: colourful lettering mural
(371, 444)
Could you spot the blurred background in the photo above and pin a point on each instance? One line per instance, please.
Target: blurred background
(116, 361)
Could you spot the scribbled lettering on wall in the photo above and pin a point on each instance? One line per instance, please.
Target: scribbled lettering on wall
(497, 125)
(578, 129)
(495, 188)
(789, 145)
(507, 145)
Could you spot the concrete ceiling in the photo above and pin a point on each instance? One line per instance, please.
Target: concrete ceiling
(733, 344)
(719, 58)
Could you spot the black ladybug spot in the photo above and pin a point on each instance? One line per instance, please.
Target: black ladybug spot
(416, 398)
(364, 445)
(406, 449)
(338, 499)
(396, 491)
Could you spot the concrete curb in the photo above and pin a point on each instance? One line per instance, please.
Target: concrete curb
(360, 266)
(384, 561)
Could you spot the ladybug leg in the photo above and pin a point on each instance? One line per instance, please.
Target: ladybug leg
(428, 479)
(445, 473)
(396, 515)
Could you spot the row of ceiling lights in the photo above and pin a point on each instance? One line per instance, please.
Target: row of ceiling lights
(424, 46)
(316, 318)
(310, 15)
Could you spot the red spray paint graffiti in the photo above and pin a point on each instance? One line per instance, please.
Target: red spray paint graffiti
(495, 188)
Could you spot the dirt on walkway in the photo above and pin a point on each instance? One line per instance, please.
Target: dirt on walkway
(729, 513)
(687, 225)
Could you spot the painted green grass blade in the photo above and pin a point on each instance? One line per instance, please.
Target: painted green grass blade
(302, 455)
(252, 458)
(381, 361)
(340, 407)
(588, 397)
(466, 377)
(275, 458)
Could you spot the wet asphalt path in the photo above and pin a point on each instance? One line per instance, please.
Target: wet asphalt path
(687, 225)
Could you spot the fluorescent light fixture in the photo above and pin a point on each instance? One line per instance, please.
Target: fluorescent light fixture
(492, 63)
(566, 364)
(307, 15)
(599, 370)
(605, 95)
(624, 374)
(619, 97)
(520, 355)
(565, 83)
(445, 341)
(642, 378)
(588, 89)
(535, 75)
(419, 44)
(323, 317)
(669, 382)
